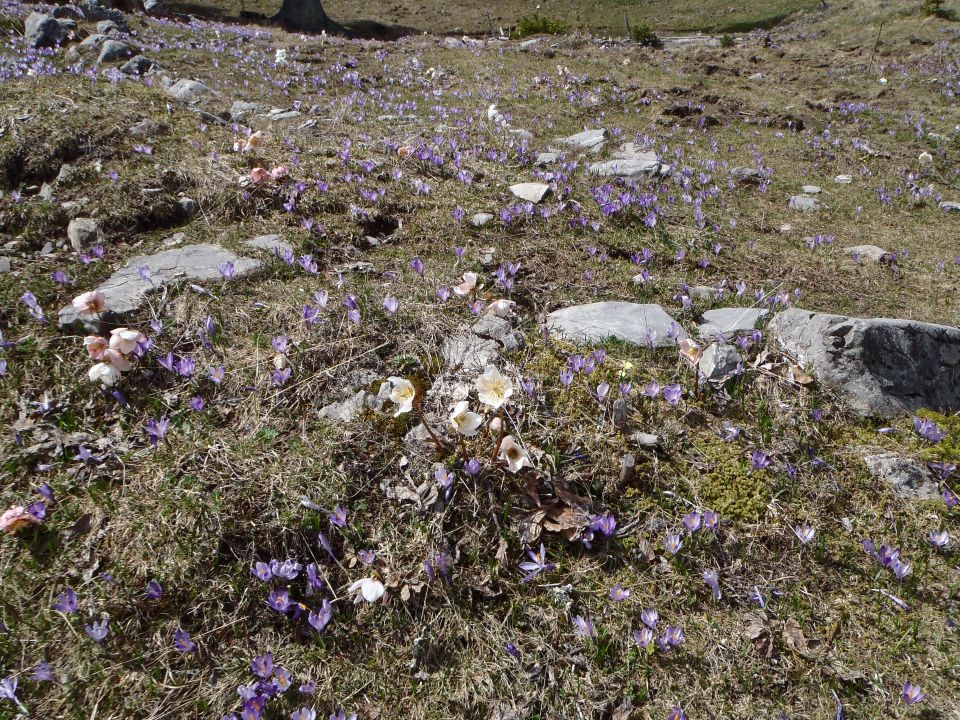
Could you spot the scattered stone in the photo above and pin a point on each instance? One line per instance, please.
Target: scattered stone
(586, 140)
(47, 248)
(114, 50)
(746, 174)
(240, 109)
(272, 244)
(281, 114)
(756, 76)
(719, 362)
(126, 291)
(137, 65)
(729, 321)
(105, 27)
(805, 203)
(93, 41)
(620, 413)
(63, 175)
(347, 410)
(702, 292)
(46, 192)
(630, 162)
(646, 440)
(94, 12)
(881, 367)
(907, 477)
(530, 191)
(481, 344)
(153, 7)
(67, 11)
(5, 265)
(522, 134)
(628, 467)
(631, 322)
(43, 31)
(190, 91)
(145, 128)
(189, 206)
(812, 189)
(869, 252)
(527, 44)
(950, 206)
(84, 233)
(843, 179)
(546, 158)
(481, 219)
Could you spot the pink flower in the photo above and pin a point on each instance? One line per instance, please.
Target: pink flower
(90, 303)
(259, 174)
(17, 518)
(96, 346)
(280, 172)
(117, 360)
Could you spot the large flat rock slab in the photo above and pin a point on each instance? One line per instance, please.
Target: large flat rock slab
(729, 321)
(881, 367)
(586, 140)
(630, 322)
(630, 162)
(481, 344)
(126, 291)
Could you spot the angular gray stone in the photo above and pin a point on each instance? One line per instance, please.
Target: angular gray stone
(630, 322)
(94, 12)
(67, 11)
(481, 219)
(145, 128)
(114, 50)
(950, 206)
(190, 91)
(530, 191)
(881, 367)
(240, 109)
(729, 321)
(745, 174)
(868, 252)
(521, 134)
(5, 265)
(643, 164)
(83, 233)
(188, 205)
(105, 27)
(126, 291)
(272, 244)
(907, 477)
(843, 179)
(481, 344)
(137, 65)
(281, 114)
(546, 158)
(43, 31)
(812, 189)
(347, 410)
(93, 41)
(153, 7)
(719, 362)
(805, 203)
(586, 140)
(647, 440)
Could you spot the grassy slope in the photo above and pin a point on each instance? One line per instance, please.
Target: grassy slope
(225, 489)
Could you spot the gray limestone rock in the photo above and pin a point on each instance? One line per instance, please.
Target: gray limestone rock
(272, 244)
(586, 140)
(83, 233)
(190, 91)
(530, 191)
(481, 219)
(881, 367)
(805, 203)
(630, 322)
(114, 50)
(907, 477)
(868, 252)
(43, 31)
(729, 321)
(126, 291)
(481, 344)
(630, 162)
(137, 65)
(745, 174)
(719, 362)
(950, 206)
(546, 158)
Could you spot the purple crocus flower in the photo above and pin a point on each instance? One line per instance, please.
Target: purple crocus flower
(939, 538)
(227, 269)
(618, 593)
(512, 650)
(279, 600)
(928, 430)
(672, 394)
(710, 578)
(262, 665)
(759, 460)
(262, 571)
(287, 570)
(319, 620)
(304, 713)
(367, 557)
(339, 516)
(711, 519)
(537, 564)
(390, 304)
(67, 602)
(673, 543)
(606, 524)
(473, 467)
(912, 694)
(417, 265)
(154, 590)
(98, 630)
(692, 522)
(584, 627)
(649, 617)
(43, 673)
(325, 544)
(183, 642)
(157, 429)
(308, 688)
(676, 714)
(643, 637)
(651, 389)
(314, 578)
(804, 533)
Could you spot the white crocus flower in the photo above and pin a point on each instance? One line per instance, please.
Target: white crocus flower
(103, 372)
(117, 359)
(463, 421)
(501, 308)
(690, 351)
(468, 285)
(124, 340)
(402, 393)
(90, 303)
(369, 589)
(515, 454)
(493, 389)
